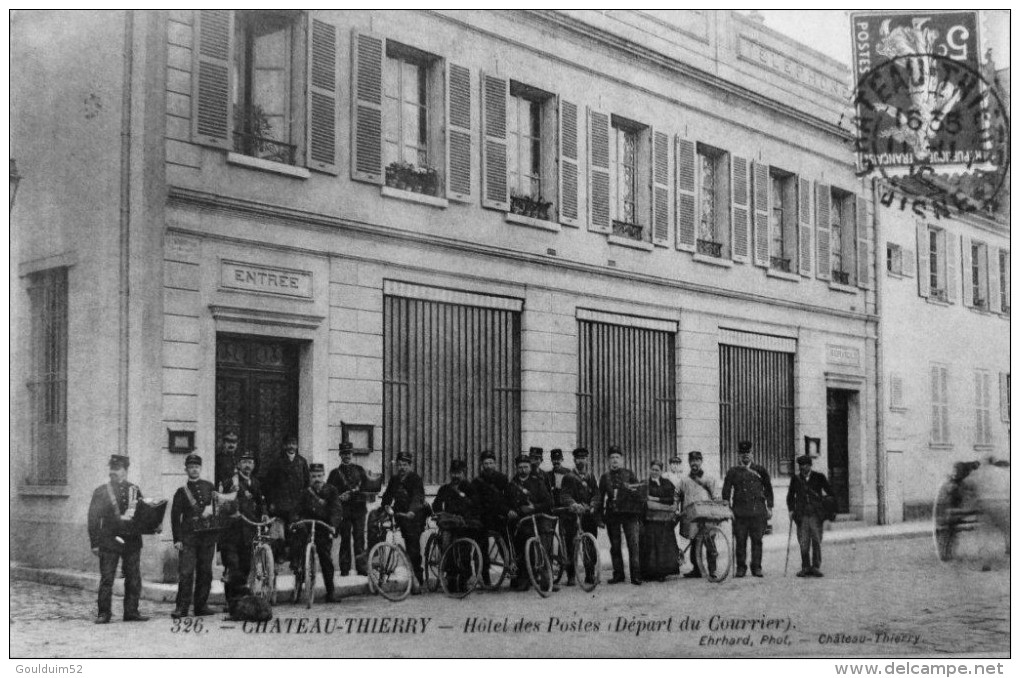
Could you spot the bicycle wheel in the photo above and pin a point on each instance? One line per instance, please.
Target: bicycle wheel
(539, 566)
(558, 556)
(944, 528)
(460, 568)
(499, 557)
(713, 553)
(587, 562)
(432, 556)
(389, 571)
(262, 577)
(311, 561)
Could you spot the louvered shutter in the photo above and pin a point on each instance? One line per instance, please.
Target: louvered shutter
(923, 263)
(211, 112)
(864, 255)
(896, 400)
(909, 262)
(740, 223)
(495, 189)
(1005, 286)
(660, 189)
(762, 198)
(968, 280)
(598, 172)
(994, 292)
(458, 133)
(952, 254)
(686, 195)
(322, 98)
(823, 229)
(804, 221)
(944, 372)
(366, 101)
(569, 160)
(1004, 396)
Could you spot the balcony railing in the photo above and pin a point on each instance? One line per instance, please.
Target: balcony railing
(264, 148)
(841, 277)
(710, 248)
(938, 294)
(626, 230)
(979, 302)
(780, 264)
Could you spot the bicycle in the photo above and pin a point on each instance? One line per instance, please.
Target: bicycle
(430, 556)
(262, 574)
(460, 565)
(584, 555)
(304, 578)
(711, 547)
(537, 561)
(389, 569)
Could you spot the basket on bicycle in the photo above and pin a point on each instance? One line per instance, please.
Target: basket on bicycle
(453, 522)
(712, 511)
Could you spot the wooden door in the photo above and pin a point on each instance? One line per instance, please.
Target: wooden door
(838, 443)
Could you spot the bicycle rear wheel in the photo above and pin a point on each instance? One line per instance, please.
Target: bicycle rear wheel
(499, 557)
(389, 571)
(262, 577)
(713, 553)
(539, 566)
(460, 568)
(311, 561)
(587, 562)
(432, 556)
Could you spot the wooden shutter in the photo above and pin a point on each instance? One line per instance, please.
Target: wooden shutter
(762, 208)
(994, 291)
(1007, 293)
(909, 262)
(804, 222)
(968, 280)
(923, 265)
(495, 189)
(1004, 395)
(321, 109)
(569, 160)
(863, 245)
(951, 249)
(211, 112)
(458, 133)
(823, 228)
(686, 201)
(896, 400)
(660, 189)
(740, 221)
(598, 172)
(366, 102)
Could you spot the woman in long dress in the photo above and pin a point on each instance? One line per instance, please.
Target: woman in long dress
(659, 551)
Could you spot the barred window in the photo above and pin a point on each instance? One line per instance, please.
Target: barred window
(47, 383)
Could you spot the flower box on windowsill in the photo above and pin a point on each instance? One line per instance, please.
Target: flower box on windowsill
(779, 264)
(531, 222)
(710, 248)
(841, 277)
(411, 196)
(530, 208)
(623, 229)
(980, 304)
(938, 295)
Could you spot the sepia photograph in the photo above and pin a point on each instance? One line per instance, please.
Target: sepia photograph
(504, 334)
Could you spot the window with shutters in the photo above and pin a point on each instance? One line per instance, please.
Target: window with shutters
(936, 272)
(897, 401)
(47, 383)
(782, 221)
(978, 275)
(530, 153)
(843, 236)
(982, 408)
(628, 156)
(1003, 264)
(712, 202)
(939, 383)
(894, 258)
(264, 99)
(410, 118)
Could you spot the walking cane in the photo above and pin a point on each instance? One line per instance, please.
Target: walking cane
(789, 538)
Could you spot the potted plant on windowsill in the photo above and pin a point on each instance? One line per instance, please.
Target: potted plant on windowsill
(404, 176)
(526, 206)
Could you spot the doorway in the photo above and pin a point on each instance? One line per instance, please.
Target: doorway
(257, 392)
(838, 444)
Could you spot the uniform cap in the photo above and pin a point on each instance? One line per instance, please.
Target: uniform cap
(744, 446)
(694, 455)
(246, 455)
(556, 454)
(804, 459)
(458, 465)
(290, 439)
(655, 462)
(230, 437)
(192, 459)
(316, 468)
(405, 456)
(676, 459)
(119, 461)
(522, 459)
(613, 449)
(581, 453)
(536, 452)
(486, 454)
(346, 446)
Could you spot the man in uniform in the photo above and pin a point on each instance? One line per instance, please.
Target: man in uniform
(112, 506)
(405, 498)
(694, 487)
(226, 458)
(556, 476)
(621, 515)
(577, 493)
(321, 501)
(535, 456)
(807, 510)
(235, 541)
(456, 497)
(194, 565)
(750, 487)
(489, 490)
(527, 494)
(285, 480)
(349, 478)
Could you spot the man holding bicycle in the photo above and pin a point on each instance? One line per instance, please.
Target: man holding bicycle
(490, 490)
(349, 479)
(695, 487)
(527, 494)
(405, 499)
(235, 541)
(577, 493)
(321, 501)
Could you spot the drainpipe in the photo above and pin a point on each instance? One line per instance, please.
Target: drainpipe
(881, 468)
(124, 281)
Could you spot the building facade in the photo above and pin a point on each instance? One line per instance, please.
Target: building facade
(509, 229)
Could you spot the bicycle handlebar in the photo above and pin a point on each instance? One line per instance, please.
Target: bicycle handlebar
(255, 524)
(305, 521)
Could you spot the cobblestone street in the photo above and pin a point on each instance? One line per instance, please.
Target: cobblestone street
(878, 598)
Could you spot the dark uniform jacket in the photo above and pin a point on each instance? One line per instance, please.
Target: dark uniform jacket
(456, 497)
(489, 490)
(284, 482)
(556, 479)
(350, 478)
(225, 467)
(751, 489)
(805, 497)
(405, 494)
(322, 504)
(105, 523)
(615, 497)
(250, 501)
(530, 495)
(579, 489)
(182, 512)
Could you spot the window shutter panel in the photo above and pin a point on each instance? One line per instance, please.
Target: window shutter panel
(823, 228)
(944, 371)
(923, 264)
(864, 255)
(322, 97)
(979, 428)
(762, 198)
(740, 222)
(994, 291)
(366, 101)
(965, 273)
(1004, 396)
(598, 172)
(211, 112)
(952, 252)
(661, 198)
(495, 191)
(569, 173)
(896, 391)
(936, 409)
(458, 133)
(804, 222)
(686, 187)
(1008, 293)
(909, 263)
